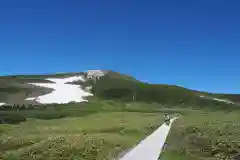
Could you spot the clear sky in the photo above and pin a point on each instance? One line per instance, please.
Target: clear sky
(192, 43)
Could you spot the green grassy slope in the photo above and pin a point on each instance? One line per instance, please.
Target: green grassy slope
(124, 88)
(112, 86)
(103, 129)
(43, 76)
(95, 130)
(204, 135)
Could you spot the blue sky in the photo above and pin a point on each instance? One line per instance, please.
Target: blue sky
(191, 43)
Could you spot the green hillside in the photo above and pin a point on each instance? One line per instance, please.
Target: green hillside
(41, 76)
(124, 88)
(14, 89)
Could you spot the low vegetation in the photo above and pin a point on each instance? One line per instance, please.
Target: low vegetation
(128, 89)
(205, 135)
(95, 130)
(103, 129)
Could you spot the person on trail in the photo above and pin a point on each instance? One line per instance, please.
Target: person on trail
(166, 117)
(178, 114)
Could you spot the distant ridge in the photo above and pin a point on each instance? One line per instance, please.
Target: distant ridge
(106, 84)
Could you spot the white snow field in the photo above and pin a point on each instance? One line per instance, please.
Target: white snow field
(63, 93)
(151, 147)
(223, 100)
(217, 99)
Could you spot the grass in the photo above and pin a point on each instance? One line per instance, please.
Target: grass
(121, 87)
(52, 75)
(102, 129)
(205, 135)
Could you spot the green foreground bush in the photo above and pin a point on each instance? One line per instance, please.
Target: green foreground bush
(11, 118)
(212, 135)
(67, 147)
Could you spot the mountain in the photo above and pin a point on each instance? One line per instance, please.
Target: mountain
(20, 89)
(117, 111)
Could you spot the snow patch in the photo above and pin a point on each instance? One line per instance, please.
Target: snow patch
(222, 100)
(1, 104)
(66, 80)
(63, 93)
(217, 99)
